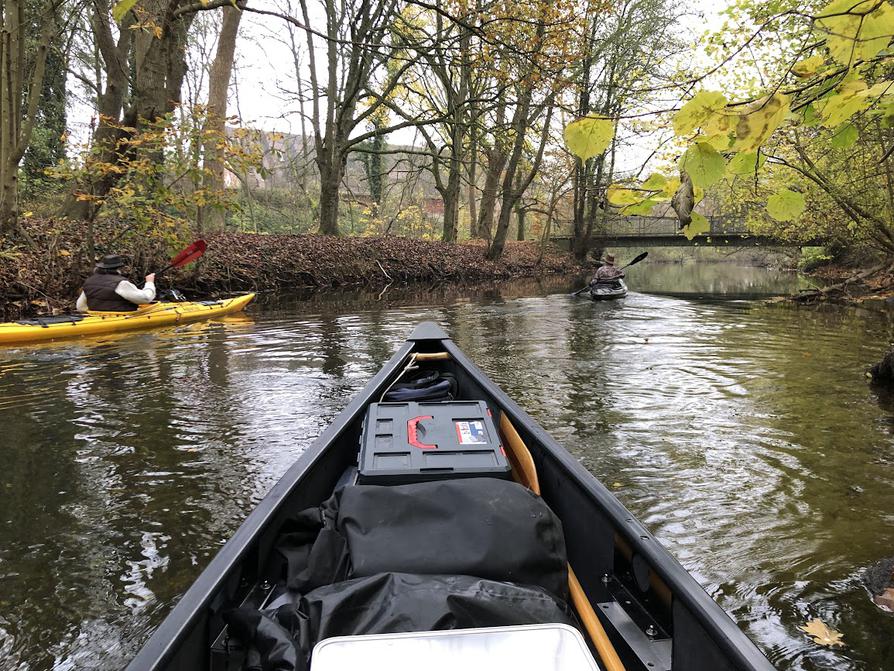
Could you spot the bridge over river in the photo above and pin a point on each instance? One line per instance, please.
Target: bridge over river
(648, 231)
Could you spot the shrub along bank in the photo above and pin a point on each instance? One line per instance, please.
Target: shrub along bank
(45, 275)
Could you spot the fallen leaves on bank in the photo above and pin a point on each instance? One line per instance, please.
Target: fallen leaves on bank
(45, 276)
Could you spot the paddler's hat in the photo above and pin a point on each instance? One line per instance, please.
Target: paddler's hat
(110, 262)
(609, 260)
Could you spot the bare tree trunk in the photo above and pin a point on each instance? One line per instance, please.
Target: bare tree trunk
(215, 124)
(451, 203)
(16, 87)
(330, 180)
(512, 191)
(473, 169)
(496, 161)
(160, 66)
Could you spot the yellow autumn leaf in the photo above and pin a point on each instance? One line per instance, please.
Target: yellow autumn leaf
(821, 634)
(27, 214)
(756, 125)
(851, 98)
(855, 30)
(698, 226)
(698, 111)
(809, 66)
(64, 252)
(656, 182)
(121, 8)
(619, 195)
(589, 136)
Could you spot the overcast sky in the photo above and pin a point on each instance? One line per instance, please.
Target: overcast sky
(264, 76)
(264, 69)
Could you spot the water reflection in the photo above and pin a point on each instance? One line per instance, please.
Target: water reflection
(716, 280)
(742, 433)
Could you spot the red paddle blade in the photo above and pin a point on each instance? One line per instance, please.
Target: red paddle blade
(190, 254)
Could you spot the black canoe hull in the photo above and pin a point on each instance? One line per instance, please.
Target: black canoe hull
(615, 557)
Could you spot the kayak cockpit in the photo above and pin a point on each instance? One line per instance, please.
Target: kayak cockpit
(608, 289)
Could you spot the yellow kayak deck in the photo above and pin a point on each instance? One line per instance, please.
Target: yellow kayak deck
(98, 323)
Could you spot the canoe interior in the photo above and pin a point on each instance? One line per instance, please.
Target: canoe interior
(631, 581)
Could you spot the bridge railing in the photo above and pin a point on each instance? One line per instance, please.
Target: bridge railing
(649, 226)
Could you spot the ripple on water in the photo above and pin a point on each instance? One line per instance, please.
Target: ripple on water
(736, 432)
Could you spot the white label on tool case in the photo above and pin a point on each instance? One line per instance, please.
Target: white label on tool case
(471, 433)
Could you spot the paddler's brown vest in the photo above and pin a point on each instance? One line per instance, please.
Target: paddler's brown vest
(100, 292)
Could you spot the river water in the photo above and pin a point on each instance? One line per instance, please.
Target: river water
(742, 433)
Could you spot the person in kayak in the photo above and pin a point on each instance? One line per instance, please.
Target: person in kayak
(107, 290)
(607, 271)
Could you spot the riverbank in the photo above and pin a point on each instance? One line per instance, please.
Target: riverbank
(45, 276)
(849, 284)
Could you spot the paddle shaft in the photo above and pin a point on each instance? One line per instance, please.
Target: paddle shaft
(635, 260)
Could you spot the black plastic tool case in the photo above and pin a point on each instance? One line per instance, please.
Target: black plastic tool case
(415, 442)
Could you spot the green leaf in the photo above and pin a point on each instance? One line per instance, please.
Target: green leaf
(589, 136)
(786, 205)
(845, 136)
(121, 8)
(745, 163)
(699, 226)
(698, 111)
(662, 188)
(704, 164)
(656, 182)
(811, 118)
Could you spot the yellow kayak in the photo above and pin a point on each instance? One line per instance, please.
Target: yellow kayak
(97, 323)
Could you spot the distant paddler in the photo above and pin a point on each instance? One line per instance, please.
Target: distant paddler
(607, 272)
(107, 290)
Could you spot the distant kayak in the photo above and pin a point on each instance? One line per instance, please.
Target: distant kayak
(604, 291)
(98, 323)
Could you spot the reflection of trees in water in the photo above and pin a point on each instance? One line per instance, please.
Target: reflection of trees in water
(130, 449)
(712, 279)
(40, 494)
(589, 397)
(360, 299)
(332, 345)
(376, 345)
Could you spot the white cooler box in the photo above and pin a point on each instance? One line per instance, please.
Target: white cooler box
(534, 647)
